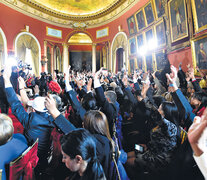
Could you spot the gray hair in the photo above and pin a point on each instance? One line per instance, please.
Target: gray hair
(111, 95)
(6, 129)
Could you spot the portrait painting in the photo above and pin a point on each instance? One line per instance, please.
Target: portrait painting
(178, 19)
(149, 13)
(131, 63)
(149, 36)
(132, 45)
(160, 33)
(140, 62)
(131, 25)
(199, 8)
(149, 62)
(159, 8)
(199, 50)
(161, 61)
(140, 20)
(140, 41)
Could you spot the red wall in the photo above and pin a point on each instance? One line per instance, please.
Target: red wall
(13, 22)
(184, 56)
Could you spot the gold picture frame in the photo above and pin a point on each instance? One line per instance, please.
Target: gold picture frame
(160, 60)
(149, 13)
(132, 65)
(160, 33)
(199, 52)
(132, 46)
(178, 19)
(140, 19)
(149, 62)
(199, 9)
(159, 8)
(132, 25)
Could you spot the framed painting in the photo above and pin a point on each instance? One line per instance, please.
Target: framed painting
(160, 33)
(199, 52)
(159, 8)
(149, 36)
(199, 8)
(149, 62)
(140, 20)
(160, 60)
(132, 46)
(140, 40)
(131, 25)
(149, 13)
(140, 63)
(132, 66)
(178, 19)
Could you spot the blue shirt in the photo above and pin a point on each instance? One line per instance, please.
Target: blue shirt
(11, 150)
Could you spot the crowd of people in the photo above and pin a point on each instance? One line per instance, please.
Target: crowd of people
(104, 125)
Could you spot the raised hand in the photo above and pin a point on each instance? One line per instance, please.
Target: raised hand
(50, 104)
(21, 83)
(172, 76)
(195, 132)
(36, 89)
(89, 85)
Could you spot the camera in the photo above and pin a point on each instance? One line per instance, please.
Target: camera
(24, 65)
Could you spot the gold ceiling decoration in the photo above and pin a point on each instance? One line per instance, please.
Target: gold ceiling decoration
(75, 9)
(80, 38)
(85, 17)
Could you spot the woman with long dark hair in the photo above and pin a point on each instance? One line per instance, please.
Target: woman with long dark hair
(169, 111)
(79, 155)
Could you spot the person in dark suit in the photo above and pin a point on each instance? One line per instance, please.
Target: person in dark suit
(4, 105)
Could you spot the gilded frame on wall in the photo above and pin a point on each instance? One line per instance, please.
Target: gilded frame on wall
(149, 13)
(199, 52)
(132, 65)
(150, 63)
(140, 62)
(132, 25)
(149, 34)
(132, 46)
(160, 33)
(160, 60)
(159, 8)
(140, 40)
(178, 19)
(199, 8)
(140, 19)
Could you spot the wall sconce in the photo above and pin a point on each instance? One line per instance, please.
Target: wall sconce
(43, 60)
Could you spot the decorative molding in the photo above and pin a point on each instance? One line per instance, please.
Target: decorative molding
(114, 13)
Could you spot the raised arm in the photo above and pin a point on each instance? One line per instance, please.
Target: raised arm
(72, 94)
(178, 97)
(23, 93)
(59, 120)
(16, 106)
(197, 133)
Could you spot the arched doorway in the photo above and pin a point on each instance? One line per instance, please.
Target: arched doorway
(27, 49)
(119, 44)
(3, 48)
(119, 59)
(81, 52)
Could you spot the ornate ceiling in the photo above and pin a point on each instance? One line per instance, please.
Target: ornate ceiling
(72, 13)
(76, 9)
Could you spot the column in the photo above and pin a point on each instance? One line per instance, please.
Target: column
(93, 57)
(45, 54)
(52, 60)
(65, 57)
